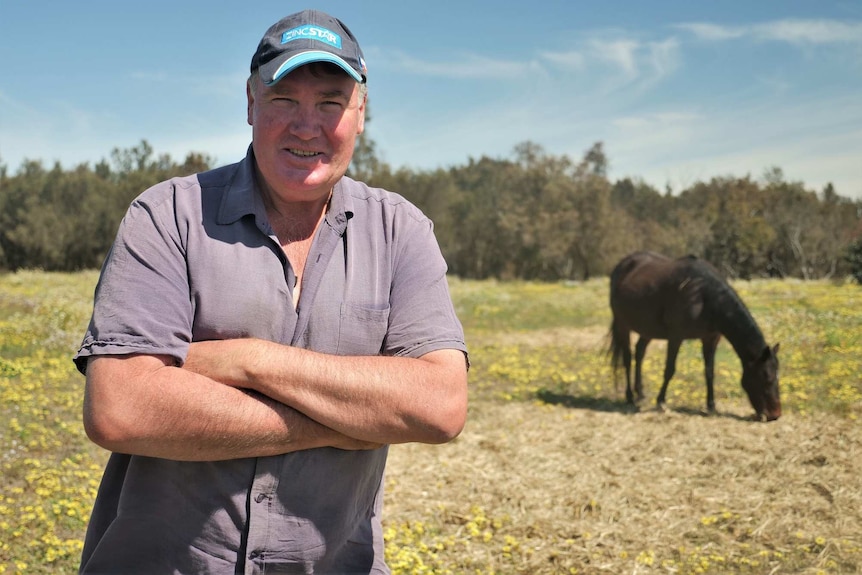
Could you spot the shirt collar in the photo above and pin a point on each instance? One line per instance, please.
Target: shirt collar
(340, 208)
(242, 198)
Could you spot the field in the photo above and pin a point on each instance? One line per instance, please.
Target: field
(553, 473)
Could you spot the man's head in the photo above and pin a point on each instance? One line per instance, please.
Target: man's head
(305, 37)
(306, 106)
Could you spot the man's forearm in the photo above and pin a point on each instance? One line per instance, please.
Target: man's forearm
(379, 399)
(135, 406)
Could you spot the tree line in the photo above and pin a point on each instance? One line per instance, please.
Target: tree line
(534, 216)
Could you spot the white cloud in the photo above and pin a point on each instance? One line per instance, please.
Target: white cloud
(657, 120)
(622, 53)
(815, 142)
(629, 56)
(664, 56)
(810, 31)
(706, 31)
(468, 65)
(636, 67)
(788, 30)
(570, 59)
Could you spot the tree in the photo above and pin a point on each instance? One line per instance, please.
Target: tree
(853, 256)
(58, 221)
(539, 213)
(483, 247)
(66, 219)
(533, 216)
(365, 164)
(593, 247)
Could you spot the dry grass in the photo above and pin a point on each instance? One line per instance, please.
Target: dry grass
(614, 492)
(553, 473)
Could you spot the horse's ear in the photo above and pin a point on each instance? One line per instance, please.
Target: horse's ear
(775, 349)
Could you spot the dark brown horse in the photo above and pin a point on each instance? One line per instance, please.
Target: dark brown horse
(686, 298)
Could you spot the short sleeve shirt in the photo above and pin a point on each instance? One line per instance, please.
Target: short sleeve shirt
(195, 259)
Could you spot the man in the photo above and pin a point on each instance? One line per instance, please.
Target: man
(261, 332)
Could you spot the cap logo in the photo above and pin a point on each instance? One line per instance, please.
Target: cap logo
(311, 32)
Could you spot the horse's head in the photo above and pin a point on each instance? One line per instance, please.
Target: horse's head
(760, 381)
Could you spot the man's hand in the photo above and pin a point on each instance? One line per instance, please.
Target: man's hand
(142, 405)
(373, 398)
(221, 360)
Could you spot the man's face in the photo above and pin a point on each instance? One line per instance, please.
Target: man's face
(304, 128)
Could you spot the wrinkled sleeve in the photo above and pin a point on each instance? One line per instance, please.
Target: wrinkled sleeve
(422, 317)
(142, 302)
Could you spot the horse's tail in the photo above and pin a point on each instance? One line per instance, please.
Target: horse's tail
(615, 351)
(616, 347)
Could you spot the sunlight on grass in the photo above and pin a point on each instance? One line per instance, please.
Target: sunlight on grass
(538, 343)
(819, 327)
(50, 471)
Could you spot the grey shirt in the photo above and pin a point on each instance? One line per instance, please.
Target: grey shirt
(195, 259)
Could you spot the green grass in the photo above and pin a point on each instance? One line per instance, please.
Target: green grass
(50, 470)
(522, 349)
(522, 306)
(818, 324)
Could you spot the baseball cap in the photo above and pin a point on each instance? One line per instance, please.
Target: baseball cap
(305, 37)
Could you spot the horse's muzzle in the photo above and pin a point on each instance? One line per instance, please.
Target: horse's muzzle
(771, 415)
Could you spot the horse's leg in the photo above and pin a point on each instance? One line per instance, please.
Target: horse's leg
(669, 369)
(640, 351)
(621, 349)
(627, 363)
(709, 344)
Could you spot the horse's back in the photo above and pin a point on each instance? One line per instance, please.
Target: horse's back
(657, 296)
(638, 261)
(640, 276)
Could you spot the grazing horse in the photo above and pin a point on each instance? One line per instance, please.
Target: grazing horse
(686, 298)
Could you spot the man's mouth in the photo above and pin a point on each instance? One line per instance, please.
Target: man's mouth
(302, 153)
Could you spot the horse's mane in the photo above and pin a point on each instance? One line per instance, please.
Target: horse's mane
(727, 309)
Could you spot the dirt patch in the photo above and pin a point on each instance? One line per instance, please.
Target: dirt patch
(612, 492)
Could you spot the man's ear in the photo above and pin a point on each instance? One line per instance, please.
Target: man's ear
(361, 124)
(249, 94)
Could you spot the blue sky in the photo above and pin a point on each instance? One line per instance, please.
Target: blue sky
(677, 91)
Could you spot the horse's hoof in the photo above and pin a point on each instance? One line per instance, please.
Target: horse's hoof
(661, 407)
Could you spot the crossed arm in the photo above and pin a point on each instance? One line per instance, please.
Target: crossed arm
(250, 398)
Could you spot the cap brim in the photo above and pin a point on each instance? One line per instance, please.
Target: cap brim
(302, 59)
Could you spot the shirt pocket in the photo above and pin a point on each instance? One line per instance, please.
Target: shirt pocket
(362, 329)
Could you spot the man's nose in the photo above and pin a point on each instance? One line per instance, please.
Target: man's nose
(304, 123)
